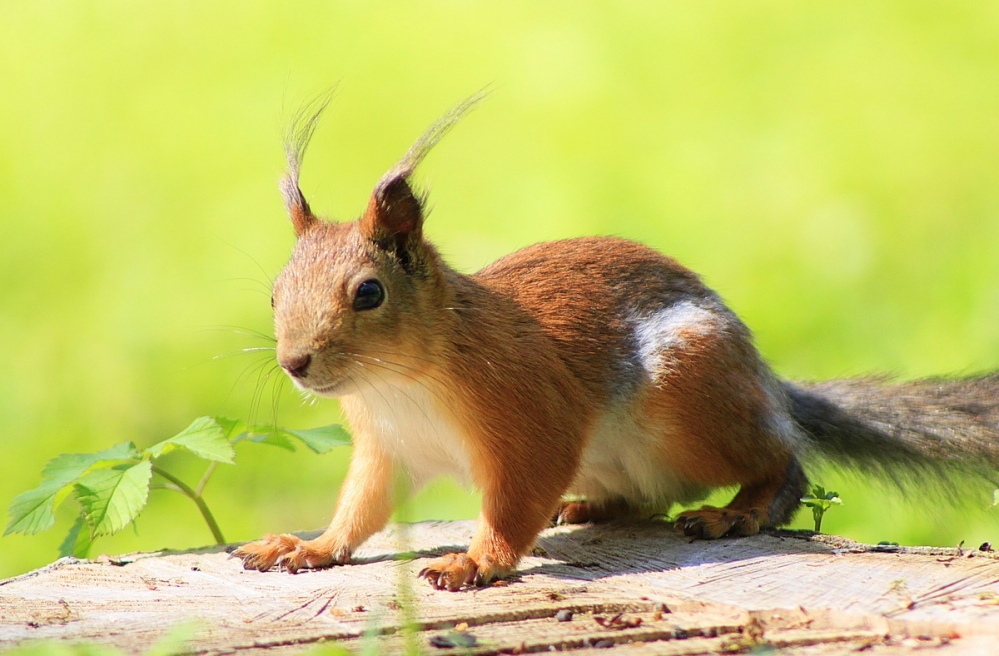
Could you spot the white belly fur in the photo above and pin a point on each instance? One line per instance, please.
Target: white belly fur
(409, 424)
(622, 460)
(619, 461)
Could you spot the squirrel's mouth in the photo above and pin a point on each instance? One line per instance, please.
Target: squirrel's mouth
(329, 390)
(334, 389)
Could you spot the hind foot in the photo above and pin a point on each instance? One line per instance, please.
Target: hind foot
(710, 523)
(572, 512)
(581, 512)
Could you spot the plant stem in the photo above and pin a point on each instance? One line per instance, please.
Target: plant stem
(186, 490)
(166, 486)
(212, 466)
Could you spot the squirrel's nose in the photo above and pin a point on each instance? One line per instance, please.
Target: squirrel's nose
(297, 366)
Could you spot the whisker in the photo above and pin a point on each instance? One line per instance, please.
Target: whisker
(397, 354)
(308, 398)
(239, 330)
(370, 384)
(267, 276)
(264, 374)
(254, 368)
(415, 380)
(400, 390)
(260, 284)
(243, 351)
(388, 364)
(256, 365)
(276, 390)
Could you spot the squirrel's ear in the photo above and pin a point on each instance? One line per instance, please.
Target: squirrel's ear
(297, 140)
(394, 211)
(299, 212)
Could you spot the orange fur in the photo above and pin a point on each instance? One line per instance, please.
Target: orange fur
(594, 367)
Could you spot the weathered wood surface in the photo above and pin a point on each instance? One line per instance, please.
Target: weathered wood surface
(821, 595)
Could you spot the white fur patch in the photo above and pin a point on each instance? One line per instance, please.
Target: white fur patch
(664, 329)
(623, 457)
(406, 419)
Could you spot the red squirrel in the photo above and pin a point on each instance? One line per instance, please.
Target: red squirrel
(592, 368)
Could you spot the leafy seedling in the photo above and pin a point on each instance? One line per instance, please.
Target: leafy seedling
(112, 486)
(820, 502)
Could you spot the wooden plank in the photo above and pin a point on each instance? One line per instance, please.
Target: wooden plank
(804, 594)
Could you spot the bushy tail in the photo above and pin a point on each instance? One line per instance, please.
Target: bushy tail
(916, 432)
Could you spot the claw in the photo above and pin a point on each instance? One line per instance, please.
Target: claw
(287, 565)
(289, 553)
(456, 571)
(709, 523)
(691, 526)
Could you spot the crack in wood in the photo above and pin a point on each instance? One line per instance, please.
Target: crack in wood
(819, 589)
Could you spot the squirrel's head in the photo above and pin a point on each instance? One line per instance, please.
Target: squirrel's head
(358, 301)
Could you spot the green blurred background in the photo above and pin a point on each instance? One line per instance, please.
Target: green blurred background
(832, 168)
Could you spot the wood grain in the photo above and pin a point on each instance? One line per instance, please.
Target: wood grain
(799, 593)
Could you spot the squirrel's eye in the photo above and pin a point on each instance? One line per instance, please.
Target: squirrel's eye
(370, 295)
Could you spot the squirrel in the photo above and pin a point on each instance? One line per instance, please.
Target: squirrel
(594, 369)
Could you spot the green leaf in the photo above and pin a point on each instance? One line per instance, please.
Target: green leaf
(66, 468)
(321, 439)
(111, 498)
(77, 542)
(205, 438)
(230, 426)
(274, 438)
(820, 502)
(34, 510)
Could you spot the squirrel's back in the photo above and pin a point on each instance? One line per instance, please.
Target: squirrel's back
(597, 297)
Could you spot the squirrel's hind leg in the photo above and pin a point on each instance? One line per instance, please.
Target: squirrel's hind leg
(768, 502)
(582, 512)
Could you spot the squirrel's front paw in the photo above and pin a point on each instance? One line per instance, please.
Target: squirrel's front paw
(288, 552)
(455, 571)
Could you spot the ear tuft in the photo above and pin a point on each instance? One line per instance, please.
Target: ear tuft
(394, 210)
(302, 218)
(303, 126)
